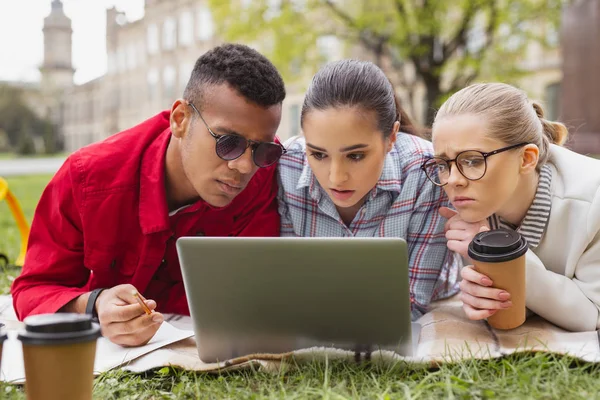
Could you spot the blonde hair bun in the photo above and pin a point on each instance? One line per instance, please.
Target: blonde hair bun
(556, 132)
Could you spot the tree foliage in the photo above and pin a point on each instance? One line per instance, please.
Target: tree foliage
(438, 45)
(19, 121)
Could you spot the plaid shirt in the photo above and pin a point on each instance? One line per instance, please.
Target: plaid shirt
(402, 204)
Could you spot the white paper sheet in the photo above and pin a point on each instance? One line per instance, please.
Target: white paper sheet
(108, 354)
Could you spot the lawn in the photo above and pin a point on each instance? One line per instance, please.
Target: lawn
(519, 376)
(12, 156)
(27, 190)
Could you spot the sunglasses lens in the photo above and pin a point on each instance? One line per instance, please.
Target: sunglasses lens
(267, 154)
(230, 147)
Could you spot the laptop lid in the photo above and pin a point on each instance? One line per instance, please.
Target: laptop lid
(272, 295)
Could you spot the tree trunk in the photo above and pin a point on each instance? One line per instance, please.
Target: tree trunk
(432, 98)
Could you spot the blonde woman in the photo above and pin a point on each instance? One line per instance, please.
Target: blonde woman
(503, 165)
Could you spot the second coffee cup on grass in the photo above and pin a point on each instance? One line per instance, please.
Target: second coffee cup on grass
(3, 337)
(500, 255)
(59, 352)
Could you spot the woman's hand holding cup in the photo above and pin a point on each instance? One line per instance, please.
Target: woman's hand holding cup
(480, 299)
(499, 270)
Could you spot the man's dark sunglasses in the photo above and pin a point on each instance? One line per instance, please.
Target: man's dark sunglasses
(230, 146)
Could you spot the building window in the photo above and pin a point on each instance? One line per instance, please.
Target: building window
(131, 57)
(141, 54)
(296, 66)
(93, 105)
(152, 79)
(553, 101)
(124, 97)
(169, 34)
(111, 62)
(185, 71)
(552, 35)
(205, 24)
(294, 119)
(121, 59)
(169, 75)
(152, 39)
(186, 28)
(113, 100)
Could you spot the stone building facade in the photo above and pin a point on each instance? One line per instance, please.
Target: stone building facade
(150, 61)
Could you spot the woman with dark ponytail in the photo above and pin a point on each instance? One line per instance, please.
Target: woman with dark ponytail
(356, 172)
(502, 164)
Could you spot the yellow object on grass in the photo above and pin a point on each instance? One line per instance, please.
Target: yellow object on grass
(17, 212)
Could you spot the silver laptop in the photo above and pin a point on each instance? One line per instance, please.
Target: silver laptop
(275, 295)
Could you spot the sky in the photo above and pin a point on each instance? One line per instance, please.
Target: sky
(22, 41)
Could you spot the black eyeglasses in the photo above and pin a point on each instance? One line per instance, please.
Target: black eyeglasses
(472, 164)
(230, 146)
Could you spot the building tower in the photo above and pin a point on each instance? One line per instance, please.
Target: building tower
(57, 69)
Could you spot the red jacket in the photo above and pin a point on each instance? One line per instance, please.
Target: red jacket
(103, 221)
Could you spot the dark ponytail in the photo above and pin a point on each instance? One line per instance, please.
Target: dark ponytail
(406, 124)
(353, 83)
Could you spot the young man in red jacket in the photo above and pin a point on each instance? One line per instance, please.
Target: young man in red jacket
(108, 221)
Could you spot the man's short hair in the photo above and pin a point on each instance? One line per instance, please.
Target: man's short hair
(243, 68)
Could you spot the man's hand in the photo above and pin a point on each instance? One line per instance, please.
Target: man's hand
(122, 319)
(480, 299)
(459, 232)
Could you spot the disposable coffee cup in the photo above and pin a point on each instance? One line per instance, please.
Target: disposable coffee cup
(58, 353)
(500, 255)
(3, 337)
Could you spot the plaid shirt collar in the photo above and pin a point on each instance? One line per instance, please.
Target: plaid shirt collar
(390, 179)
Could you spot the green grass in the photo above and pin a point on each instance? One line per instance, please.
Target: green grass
(12, 156)
(532, 376)
(27, 190)
(529, 376)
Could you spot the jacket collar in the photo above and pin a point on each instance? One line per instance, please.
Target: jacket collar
(153, 209)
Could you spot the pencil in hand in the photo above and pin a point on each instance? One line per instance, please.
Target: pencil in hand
(140, 299)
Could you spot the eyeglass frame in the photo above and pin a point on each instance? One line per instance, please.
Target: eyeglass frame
(485, 156)
(249, 142)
